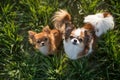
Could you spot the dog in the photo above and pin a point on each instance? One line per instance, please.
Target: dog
(79, 42)
(47, 41)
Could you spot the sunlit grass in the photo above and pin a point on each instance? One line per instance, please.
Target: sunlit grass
(20, 61)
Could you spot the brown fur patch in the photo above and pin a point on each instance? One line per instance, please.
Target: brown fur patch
(83, 53)
(69, 27)
(31, 37)
(88, 26)
(106, 14)
(46, 29)
(89, 35)
(82, 34)
(54, 36)
(62, 22)
(86, 49)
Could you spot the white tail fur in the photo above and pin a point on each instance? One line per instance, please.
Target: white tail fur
(101, 21)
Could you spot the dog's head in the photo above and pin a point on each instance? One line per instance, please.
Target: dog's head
(41, 39)
(81, 37)
(77, 37)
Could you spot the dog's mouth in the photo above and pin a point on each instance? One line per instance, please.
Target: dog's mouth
(42, 44)
(74, 42)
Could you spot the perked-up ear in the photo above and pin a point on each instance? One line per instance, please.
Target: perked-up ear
(46, 29)
(87, 37)
(31, 36)
(69, 27)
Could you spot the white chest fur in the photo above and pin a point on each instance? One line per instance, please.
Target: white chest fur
(71, 50)
(44, 50)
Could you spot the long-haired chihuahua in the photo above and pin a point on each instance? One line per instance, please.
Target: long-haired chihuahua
(47, 41)
(79, 42)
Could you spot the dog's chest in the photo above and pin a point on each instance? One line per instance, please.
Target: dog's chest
(71, 50)
(44, 50)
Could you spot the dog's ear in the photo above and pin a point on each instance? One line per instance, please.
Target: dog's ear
(69, 27)
(46, 29)
(87, 37)
(31, 36)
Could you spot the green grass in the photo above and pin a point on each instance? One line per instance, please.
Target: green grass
(20, 61)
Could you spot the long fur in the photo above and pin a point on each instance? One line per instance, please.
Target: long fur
(47, 41)
(60, 18)
(62, 21)
(95, 26)
(102, 22)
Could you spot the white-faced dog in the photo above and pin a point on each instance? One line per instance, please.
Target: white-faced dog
(80, 42)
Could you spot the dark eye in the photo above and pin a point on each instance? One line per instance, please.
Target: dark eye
(71, 37)
(38, 41)
(80, 40)
(45, 39)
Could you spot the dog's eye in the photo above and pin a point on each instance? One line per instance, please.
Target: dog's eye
(45, 39)
(38, 41)
(71, 37)
(80, 40)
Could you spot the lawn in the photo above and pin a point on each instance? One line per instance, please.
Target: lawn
(19, 60)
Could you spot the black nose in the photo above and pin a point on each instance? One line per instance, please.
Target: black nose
(42, 43)
(75, 40)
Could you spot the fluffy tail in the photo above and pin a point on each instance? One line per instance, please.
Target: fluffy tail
(60, 18)
(62, 21)
(102, 22)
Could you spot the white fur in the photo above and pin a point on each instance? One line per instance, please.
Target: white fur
(44, 50)
(72, 40)
(77, 32)
(101, 26)
(100, 23)
(72, 50)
